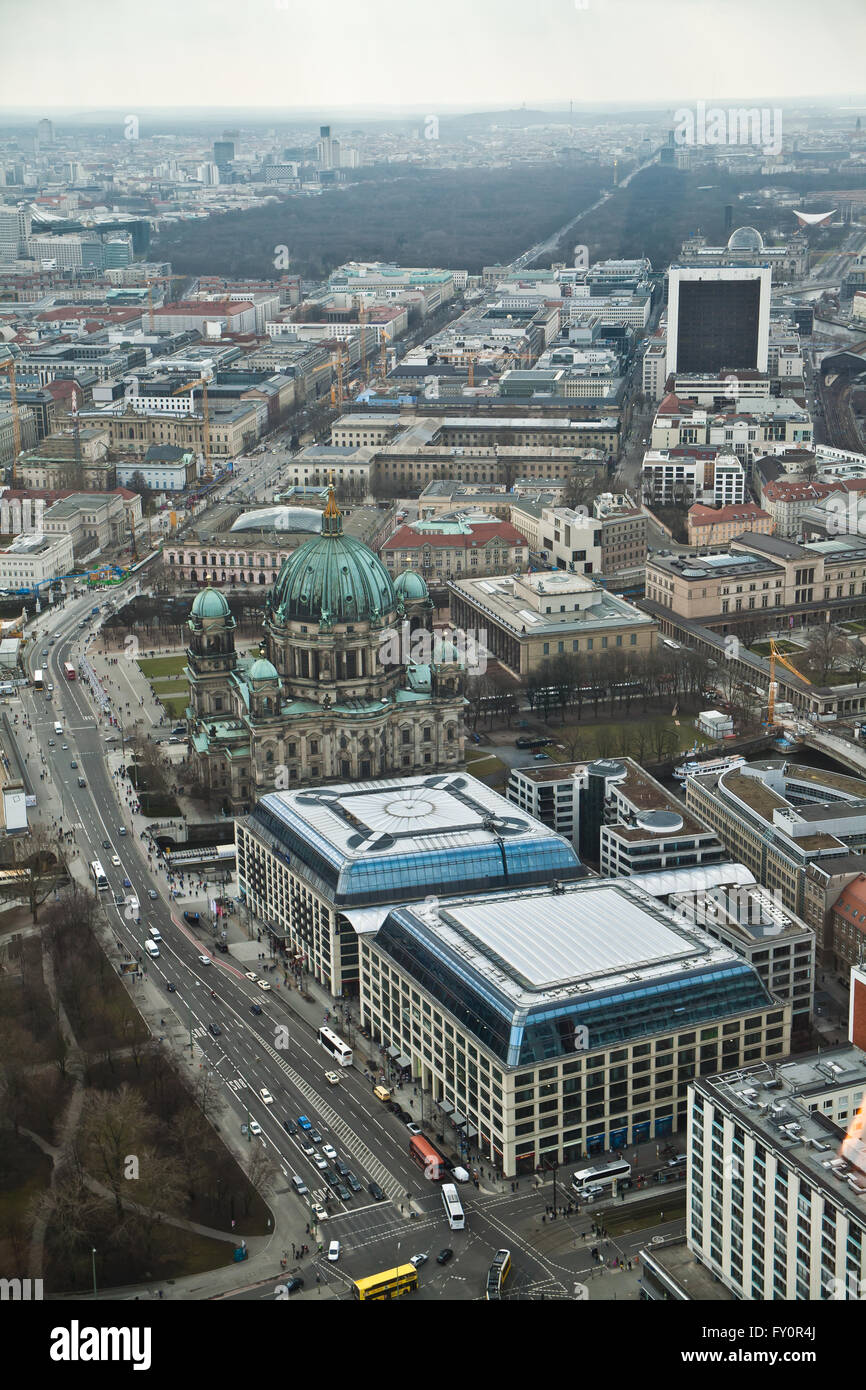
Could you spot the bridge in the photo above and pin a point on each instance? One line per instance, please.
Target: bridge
(848, 751)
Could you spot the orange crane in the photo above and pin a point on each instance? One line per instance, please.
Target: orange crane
(9, 368)
(190, 386)
(776, 655)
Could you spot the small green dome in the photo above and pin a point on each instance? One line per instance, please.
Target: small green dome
(332, 579)
(262, 670)
(209, 603)
(411, 587)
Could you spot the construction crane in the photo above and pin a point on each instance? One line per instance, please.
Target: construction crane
(776, 655)
(9, 368)
(190, 386)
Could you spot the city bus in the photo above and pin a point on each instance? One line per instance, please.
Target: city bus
(69, 670)
(39, 679)
(453, 1207)
(337, 1048)
(497, 1274)
(605, 1175)
(422, 1152)
(97, 873)
(392, 1284)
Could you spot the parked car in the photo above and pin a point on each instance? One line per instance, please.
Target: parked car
(444, 1256)
(221, 946)
(192, 917)
(413, 1128)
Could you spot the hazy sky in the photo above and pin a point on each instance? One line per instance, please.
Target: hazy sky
(445, 53)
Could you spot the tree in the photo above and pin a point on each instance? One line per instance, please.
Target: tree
(827, 644)
(856, 658)
(39, 856)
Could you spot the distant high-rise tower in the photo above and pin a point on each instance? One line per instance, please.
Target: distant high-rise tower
(223, 153)
(729, 219)
(718, 318)
(325, 148)
(45, 132)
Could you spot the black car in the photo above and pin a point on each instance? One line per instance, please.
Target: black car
(222, 948)
(106, 844)
(343, 1192)
(172, 989)
(215, 1029)
(376, 1192)
(192, 917)
(341, 1168)
(444, 1256)
(255, 1008)
(288, 1125)
(330, 1177)
(292, 1285)
(353, 1182)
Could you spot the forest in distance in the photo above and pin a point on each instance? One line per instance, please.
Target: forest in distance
(460, 218)
(469, 218)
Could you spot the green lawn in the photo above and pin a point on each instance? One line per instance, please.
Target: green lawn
(622, 738)
(486, 765)
(162, 666)
(783, 646)
(176, 706)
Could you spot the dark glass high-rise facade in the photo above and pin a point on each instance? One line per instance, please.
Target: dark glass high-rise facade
(717, 325)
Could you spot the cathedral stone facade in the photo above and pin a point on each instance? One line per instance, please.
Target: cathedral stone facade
(326, 700)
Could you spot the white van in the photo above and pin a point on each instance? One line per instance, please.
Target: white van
(58, 728)
(154, 934)
(151, 948)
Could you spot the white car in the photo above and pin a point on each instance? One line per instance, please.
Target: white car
(115, 859)
(249, 975)
(255, 1127)
(321, 1163)
(329, 1151)
(205, 960)
(266, 1096)
(418, 1260)
(319, 1211)
(332, 1078)
(262, 984)
(334, 1250)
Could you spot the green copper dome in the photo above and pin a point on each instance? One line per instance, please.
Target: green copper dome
(209, 603)
(411, 587)
(332, 579)
(263, 670)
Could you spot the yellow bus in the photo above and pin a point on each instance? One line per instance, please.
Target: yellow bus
(392, 1284)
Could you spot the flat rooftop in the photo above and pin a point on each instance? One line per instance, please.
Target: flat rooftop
(507, 604)
(773, 1103)
(392, 840)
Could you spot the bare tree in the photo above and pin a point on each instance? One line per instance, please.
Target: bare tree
(39, 855)
(827, 645)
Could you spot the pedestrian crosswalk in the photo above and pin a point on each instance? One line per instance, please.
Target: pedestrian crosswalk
(349, 1141)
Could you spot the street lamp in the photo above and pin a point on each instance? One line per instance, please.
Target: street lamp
(93, 1265)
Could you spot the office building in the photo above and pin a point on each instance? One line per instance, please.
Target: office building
(31, 560)
(776, 1205)
(553, 1023)
(783, 819)
(771, 938)
(318, 867)
(718, 318)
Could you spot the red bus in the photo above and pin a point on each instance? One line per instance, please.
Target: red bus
(69, 670)
(428, 1158)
